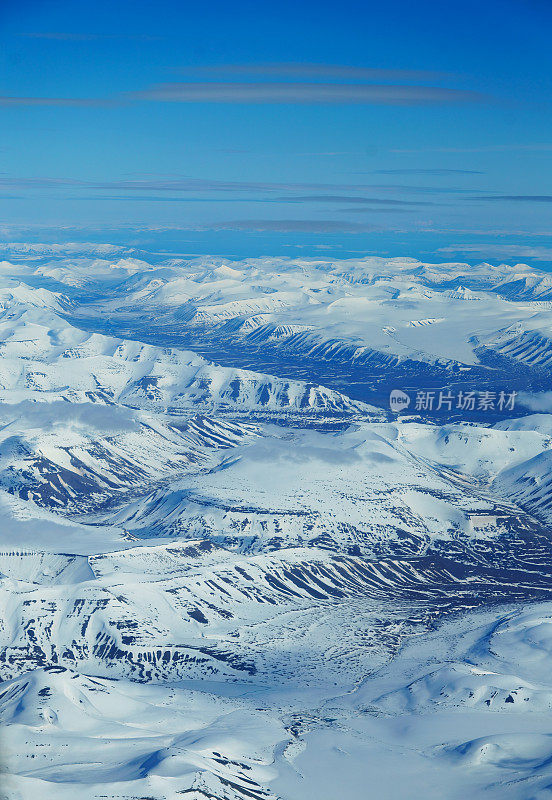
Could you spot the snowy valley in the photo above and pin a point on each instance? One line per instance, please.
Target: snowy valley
(229, 571)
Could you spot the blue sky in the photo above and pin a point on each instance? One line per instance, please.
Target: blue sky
(402, 128)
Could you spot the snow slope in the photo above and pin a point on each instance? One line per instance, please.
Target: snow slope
(347, 311)
(42, 357)
(227, 580)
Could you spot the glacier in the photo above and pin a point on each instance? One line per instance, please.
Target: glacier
(229, 571)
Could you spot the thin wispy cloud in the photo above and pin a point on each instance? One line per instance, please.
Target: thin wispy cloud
(8, 100)
(538, 253)
(365, 210)
(493, 148)
(351, 199)
(289, 226)
(38, 182)
(301, 199)
(501, 232)
(185, 184)
(436, 171)
(240, 151)
(65, 36)
(296, 92)
(518, 198)
(274, 83)
(61, 36)
(309, 70)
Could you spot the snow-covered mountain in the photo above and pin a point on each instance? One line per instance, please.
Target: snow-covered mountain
(44, 357)
(351, 312)
(227, 573)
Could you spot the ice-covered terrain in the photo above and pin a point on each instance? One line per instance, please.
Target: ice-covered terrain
(228, 571)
